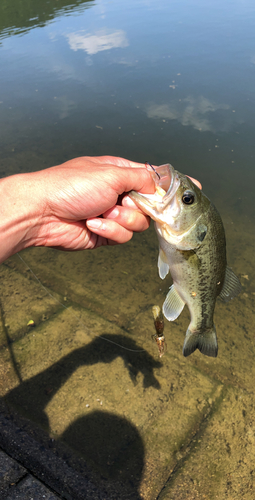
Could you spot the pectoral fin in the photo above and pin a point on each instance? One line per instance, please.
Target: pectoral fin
(173, 305)
(231, 286)
(163, 267)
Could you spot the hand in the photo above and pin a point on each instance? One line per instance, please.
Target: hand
(84, 207)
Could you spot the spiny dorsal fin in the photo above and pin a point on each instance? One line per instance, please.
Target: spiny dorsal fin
(231, 286)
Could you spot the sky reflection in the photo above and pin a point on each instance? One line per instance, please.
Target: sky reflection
(195, 112)
(91, 44)
(150, 70)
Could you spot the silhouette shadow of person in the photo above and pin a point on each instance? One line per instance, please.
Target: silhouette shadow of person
(34, 394)
(110, 445)
(113, 449)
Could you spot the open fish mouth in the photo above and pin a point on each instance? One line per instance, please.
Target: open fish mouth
(167, 181)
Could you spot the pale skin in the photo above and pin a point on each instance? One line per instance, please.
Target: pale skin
(78, 205)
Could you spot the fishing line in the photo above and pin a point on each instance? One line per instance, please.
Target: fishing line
(147, 163)
(75, 315)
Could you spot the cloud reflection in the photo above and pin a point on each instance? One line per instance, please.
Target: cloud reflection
(101, 40)
(192, 111)
(64, 106)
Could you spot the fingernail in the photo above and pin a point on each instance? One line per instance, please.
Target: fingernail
(113, 214)
(95, 224)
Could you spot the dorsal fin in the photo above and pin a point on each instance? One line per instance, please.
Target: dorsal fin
(231, 286)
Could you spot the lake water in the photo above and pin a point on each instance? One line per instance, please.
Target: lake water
(149, 81)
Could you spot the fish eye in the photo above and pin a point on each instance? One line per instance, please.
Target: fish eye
(188, 198)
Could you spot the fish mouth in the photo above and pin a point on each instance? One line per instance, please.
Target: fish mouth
(167, 181)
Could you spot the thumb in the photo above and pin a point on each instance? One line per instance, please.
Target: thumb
(136, 179)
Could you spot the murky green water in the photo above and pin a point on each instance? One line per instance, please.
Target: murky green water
(150, 81)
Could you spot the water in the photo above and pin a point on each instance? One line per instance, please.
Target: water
(159, 82)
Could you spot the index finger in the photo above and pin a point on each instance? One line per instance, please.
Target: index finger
(117, 161)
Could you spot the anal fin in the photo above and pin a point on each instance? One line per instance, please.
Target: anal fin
(173, 304)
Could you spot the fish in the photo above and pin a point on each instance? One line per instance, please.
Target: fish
(192, 247)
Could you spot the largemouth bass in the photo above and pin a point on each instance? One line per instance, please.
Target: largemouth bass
(192, 247)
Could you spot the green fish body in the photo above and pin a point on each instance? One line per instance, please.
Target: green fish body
(192, 248)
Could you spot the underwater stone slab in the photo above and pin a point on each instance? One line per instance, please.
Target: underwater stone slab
(76, 384)
(111, 283)
(221, 460)
(21, 301)
(78, 362)
(188, 399)
(64, 333)
(150, 424)
(74, 380)
(235, 329)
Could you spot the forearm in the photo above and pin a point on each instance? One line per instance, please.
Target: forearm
(21, 212)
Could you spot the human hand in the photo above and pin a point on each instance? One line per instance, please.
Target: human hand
(84, 207)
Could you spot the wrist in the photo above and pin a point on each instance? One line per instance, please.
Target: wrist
(21, 212)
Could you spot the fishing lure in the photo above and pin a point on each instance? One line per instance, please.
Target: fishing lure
(159, 327)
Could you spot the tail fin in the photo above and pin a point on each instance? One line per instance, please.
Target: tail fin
(206, 342)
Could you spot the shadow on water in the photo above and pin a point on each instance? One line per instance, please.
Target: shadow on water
(110, 444)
